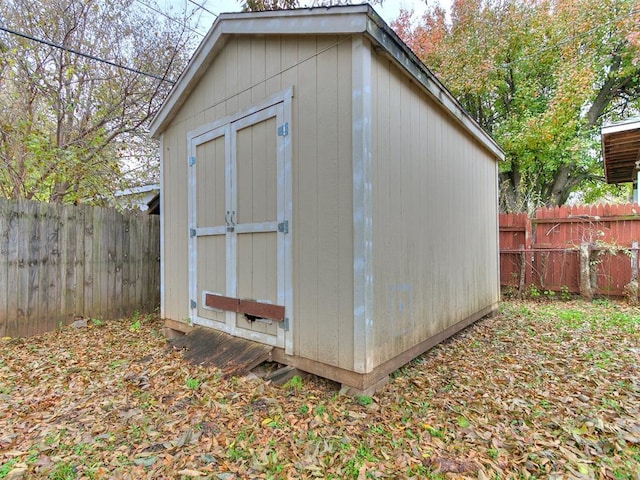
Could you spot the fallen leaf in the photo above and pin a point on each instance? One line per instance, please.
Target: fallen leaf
(145, 461)
(190, 473)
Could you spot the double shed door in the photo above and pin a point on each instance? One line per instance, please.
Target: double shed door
(240, 247)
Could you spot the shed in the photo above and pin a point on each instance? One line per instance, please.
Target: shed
(135, 197)
(621, 152)
(324, 194)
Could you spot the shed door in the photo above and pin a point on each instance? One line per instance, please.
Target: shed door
(209, 240)
(240, 245)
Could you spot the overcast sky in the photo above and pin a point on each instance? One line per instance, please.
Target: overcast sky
(388, 10)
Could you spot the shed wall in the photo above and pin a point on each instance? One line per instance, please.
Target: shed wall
(435, 216)
(174, 281)
(248, 70)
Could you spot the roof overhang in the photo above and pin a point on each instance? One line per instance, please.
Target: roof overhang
(621, 151)
(336, 20)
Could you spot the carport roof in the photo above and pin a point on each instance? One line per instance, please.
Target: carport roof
(621, 150)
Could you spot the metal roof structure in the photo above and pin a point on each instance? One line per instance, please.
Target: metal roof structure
(621, 151)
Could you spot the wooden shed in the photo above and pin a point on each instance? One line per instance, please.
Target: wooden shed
(324, 194)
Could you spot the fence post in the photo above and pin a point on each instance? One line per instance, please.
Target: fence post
(631, 288)
(585, 271)
(634, 261)
(528, 245)
(523, 270)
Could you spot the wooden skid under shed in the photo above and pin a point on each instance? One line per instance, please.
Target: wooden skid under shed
(232, 355)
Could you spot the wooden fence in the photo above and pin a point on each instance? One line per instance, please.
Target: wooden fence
(60, 262)
(590, 250)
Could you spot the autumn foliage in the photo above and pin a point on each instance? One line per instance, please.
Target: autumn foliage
(541, 77)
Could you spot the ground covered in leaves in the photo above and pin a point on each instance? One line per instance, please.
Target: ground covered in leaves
(542, 390)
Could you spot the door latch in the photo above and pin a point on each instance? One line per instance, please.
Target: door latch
(283, 227)
(229, 220)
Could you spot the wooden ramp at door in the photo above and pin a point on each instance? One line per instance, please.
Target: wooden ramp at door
(232, 355)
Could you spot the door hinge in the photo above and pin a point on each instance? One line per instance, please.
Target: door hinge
(193, 304)
(285, 324)
(283, 227)
(192, 232)
(192, 161)
(283, 130)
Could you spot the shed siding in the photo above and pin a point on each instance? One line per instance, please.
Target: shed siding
(248, 70)
(323, 286)
(174, 191)
(434, 218)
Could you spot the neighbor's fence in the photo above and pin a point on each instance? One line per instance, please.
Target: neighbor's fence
(590, 250)
(59, 262)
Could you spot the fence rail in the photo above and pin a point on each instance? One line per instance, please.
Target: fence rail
(590, 250)
(59, 262)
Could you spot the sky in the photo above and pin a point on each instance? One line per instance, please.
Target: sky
(389, 9)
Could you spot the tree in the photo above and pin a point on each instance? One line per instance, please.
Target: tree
(541, 77)
(73, 128)
(261, 5)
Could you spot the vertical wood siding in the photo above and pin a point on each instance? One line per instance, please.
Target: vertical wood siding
(175, 215)
(434, 258)
(211, 249)
(257, 171)
(62, 261)
(248, 70)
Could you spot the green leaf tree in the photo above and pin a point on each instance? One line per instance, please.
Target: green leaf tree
(73, 129)
(541, 77)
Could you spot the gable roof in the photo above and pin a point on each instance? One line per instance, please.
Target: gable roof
(621, 150)
(347, 19)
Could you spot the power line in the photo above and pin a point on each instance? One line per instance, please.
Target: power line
(203, 8)
(159, 12)
(85, 55)
(299, 62)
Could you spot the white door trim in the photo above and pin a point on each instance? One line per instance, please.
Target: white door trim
(273, 111)
(278, 106)
(192, 208)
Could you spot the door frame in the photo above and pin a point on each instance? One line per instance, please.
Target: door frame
(278, 106)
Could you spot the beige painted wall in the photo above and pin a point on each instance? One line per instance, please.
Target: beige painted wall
(434, 218)
(175, 286)
(434, 197)
(248, 70)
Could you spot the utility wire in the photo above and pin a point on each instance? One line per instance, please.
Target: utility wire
(85, 55)
(159, 12)
(299, 62)
(203, 8)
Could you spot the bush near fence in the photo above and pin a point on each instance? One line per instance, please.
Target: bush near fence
(587, 250)
(60, 262)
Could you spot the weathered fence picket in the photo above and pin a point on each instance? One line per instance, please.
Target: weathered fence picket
(590, 250)
(59, 262)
